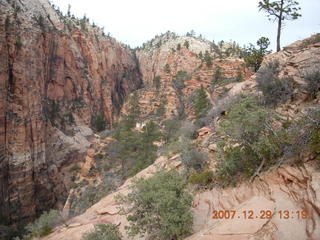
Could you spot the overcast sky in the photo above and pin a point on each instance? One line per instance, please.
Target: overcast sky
(134, 22)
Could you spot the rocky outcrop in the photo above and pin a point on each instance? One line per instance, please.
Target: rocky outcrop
(57, 74)
(282, 203)
(167, 55)
(106, 210)
(163, 50)
(290, 194)
(292, 189)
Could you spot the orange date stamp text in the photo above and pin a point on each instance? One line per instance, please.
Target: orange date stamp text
(262, 214)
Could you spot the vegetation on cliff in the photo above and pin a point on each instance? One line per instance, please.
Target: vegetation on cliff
(159, 207)
(104, 232)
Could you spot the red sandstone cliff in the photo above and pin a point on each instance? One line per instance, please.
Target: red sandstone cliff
(287, 188)
(165, 56)
(56, 75)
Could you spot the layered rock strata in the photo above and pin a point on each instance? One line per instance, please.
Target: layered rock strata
(57, 75)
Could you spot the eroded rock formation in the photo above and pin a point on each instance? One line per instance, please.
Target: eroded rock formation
(163, 58)
(289, 188)
(56, 75)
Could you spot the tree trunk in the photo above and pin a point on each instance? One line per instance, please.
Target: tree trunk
(278, 35)
(279, 27)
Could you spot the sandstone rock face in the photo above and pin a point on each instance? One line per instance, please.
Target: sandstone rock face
(155, 55)
(293, 189)
(288, 189)
(297, 59)
(290, 193)
(56, 75)
(106, 210)
(163, 51)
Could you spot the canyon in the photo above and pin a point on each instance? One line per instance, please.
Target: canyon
(61, 77)
(287, 188)
(55, 79)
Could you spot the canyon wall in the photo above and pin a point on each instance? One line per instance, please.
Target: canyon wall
(181, 65)
(57, 76)
(290, 188)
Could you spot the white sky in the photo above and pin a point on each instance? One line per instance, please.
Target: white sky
(134, 22)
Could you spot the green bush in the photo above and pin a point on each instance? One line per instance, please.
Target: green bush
(202, 179)
(178, 136)
(104, 232)
(239, 77)
(133, 149)
(188, 130)
(312, 40)
(159, 206)
(275, 89)
(167, 68)
(98, 122)
(217, 76)
(91, 195)
(171, 128)
(312, 127)
(178, 146)
(179, 85)
(39, 20)
(10, 232)
(235, 163)
(201, 103)
(313, 83)
(179, 80)
(74, 168)
(161, 110)
(186, 44)
(200, 55)
(315, 142)
(44, 224)
(250, 142)
(19, 42)
(133, 111)
(156, 82)
(301, 135)
(253, 57)
(207, 59)
(7, 23)
(246, 121)
(192, 159)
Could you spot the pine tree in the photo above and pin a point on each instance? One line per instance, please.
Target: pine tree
(167, 68)
(207, 58)
(202, 103)
(178, 47)
(253, 56)
(133, 111)
(157, 82)
(279, 11)
(186, 44)
(217, 76)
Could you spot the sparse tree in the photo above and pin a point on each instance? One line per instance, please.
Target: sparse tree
(104, 232)
(192, 33)
(208, 59)
(167, 68)
(134, 109)
(280, 11)
(253, 56)
(157, 82)
(179, 47)
(201, 103)
(159, 207)
(217, 76)
(69, 10)
(186, 44)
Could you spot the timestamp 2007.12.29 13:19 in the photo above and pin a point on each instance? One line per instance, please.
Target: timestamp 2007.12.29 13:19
(262, 214)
